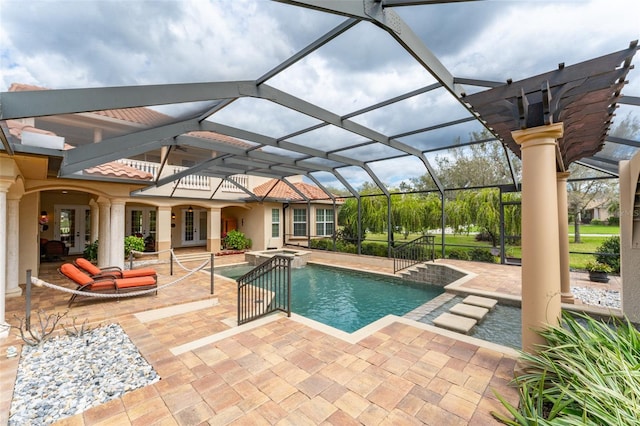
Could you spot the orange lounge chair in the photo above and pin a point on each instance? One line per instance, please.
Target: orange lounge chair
(114, 271)
(105, 284)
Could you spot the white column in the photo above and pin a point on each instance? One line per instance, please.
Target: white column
(163, 232)
(13, 247)
(95, 220)
(4, 186)
(104, 230)
(116, 233)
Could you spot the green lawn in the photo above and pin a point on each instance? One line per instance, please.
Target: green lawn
(589, 237)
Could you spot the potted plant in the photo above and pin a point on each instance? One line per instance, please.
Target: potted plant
(598, 272)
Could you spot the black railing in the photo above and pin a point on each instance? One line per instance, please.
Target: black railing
(265, 289)
(416, 251)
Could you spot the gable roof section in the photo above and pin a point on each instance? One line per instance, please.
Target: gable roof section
(282, 191)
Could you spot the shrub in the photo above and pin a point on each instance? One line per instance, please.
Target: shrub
(613, 221)
(375, 249)
(481, 255)
(609, 253)
(236, 240)
(91, 251)
(133, 243)
(458, 254)
(322, 244)
(586, 374)
(596, 222)
(349, 233)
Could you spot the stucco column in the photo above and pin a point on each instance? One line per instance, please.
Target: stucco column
(163, 233)
(563, 231)
(95, 220)
(4, 187)
(13, 247)
(116, 233)
(540, 248)
(104, 229)
(213, 230)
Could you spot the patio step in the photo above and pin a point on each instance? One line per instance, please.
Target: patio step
(455, 322)
(476, 312)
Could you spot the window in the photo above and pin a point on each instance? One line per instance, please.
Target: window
(299, 222)
(275, 223)
(324, 222)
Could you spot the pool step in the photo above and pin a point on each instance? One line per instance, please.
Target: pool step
(476, 312)
(455, 322)
(483, 302)
(462, 317)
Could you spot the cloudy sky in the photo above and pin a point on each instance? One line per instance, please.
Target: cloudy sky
(70, 44)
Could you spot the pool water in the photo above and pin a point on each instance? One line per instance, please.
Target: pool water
(345, 299)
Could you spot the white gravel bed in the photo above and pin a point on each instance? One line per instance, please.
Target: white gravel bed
(64, 376)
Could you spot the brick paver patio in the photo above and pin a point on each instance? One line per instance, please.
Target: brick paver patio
(284, 370)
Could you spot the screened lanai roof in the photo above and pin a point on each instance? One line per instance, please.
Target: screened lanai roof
(341, 92)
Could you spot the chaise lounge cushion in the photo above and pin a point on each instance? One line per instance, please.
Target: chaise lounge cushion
(83, 280)
(128, 283)
(115, 271)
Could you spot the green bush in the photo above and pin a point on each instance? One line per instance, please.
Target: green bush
(458, 254)
(236, 240)
(91, 251)
(374, 249)
(481, 255)
(322, 244)
(345, 247)
(610, 253)
(133, 243)
(586, 374)
(613, 221)
(596, 222)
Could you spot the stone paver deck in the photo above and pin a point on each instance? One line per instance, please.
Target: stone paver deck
(285, 371)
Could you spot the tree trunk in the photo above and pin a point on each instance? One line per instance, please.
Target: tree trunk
(577, 219)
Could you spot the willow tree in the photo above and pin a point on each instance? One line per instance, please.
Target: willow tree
(481, 208)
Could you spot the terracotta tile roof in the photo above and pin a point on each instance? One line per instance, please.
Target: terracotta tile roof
(220, 138)
(283, 191)
(17, 127)
(111, 169)
(114, 169)
(139, 115)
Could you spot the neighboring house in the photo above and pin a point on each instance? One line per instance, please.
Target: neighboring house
(596, 209)
(113, 200)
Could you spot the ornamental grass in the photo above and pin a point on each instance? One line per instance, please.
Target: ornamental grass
(588, 373)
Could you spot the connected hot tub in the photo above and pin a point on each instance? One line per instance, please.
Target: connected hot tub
(255, 258)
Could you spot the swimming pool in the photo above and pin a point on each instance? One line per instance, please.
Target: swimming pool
(345, 299)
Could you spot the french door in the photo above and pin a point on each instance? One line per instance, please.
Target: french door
(194, 227)
(141, 221)
(73, 226)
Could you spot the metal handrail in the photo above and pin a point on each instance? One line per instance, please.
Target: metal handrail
(416, 251)
(265, 289)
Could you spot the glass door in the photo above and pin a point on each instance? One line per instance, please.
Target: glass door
(73, 226)
(194, 227)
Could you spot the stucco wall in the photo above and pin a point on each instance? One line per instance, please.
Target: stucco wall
(630, 238)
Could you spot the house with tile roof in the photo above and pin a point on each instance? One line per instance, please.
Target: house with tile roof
(108, 202)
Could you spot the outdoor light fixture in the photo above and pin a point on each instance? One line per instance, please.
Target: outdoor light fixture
(44, 219)
(173, 216)
(190, 209)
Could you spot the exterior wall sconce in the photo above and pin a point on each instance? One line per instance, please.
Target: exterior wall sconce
(190, 209)
(44, 220)
(173, 218)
